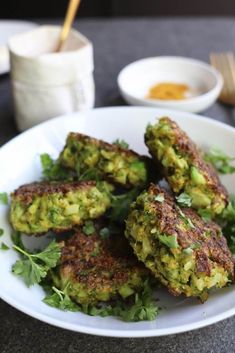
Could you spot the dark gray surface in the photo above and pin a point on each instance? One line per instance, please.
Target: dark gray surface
(117, 43)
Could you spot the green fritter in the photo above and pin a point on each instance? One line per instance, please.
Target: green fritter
(184, 166)
(185, 253)
(41, 207)
(112, 162)
(96, 268)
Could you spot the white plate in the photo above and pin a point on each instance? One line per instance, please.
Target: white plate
(7, 30)
(137, 78)
(19, 161)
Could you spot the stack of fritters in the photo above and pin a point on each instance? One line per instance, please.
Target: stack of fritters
(186, 254)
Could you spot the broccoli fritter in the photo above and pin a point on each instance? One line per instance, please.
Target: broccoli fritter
(185, 253)
(118, 165)
(93, 268)
(40, 207)
(184, 166)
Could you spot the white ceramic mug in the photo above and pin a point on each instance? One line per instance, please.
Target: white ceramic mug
(45, 83)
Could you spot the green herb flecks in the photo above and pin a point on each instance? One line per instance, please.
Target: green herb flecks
(88, 228)
(220, 160)
(33, 267)
(104, 233)
(4, 246)
(52, 170)
(187, 220)
(184, 200)
(169, 240)
(159, 198)
(121, 143)
(205, 214)
(3, 198)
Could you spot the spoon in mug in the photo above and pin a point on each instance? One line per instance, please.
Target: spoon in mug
(69, 18)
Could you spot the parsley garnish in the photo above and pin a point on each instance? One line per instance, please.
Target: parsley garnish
(16, 239)
(121, 205)
(205, 214)
(141, 307)
(52, 170)
(186, 219)
(104, 233)
(1, 232)
(33, 267)
(159, 198)
(3, 198)
(4, 246)
(60, 300)
(169, 240)
(184, 200)
(121, 143)
(88, 228)
(220, 160)
(227, 222)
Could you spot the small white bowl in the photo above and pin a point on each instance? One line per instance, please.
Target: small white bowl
(137, 78)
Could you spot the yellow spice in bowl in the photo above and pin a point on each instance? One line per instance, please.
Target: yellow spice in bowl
(168, 91)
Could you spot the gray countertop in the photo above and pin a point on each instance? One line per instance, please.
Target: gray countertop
(117, 43)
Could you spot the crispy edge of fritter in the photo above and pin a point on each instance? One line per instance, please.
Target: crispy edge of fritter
(27, 192)
(212, 247)
(101, 144)
(188, 147)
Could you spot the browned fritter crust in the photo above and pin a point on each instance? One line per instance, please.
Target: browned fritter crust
(186, 146)
(213, 245)
(102, 144)
(103, 269)
(94, 269)
(27, 192)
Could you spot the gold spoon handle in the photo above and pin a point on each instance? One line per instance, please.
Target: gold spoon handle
(69, 18)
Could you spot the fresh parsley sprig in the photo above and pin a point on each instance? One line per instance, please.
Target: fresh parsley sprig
(33, 267)
(220, 160)
(142, 307)
(60, 300)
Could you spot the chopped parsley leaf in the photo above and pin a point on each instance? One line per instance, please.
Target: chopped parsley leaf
(169, 240)
(184, 200)
(104, 233)
(1, 232)
(159, 198)
(88, 228)
(205, 214)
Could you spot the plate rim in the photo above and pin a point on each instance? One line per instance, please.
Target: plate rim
(155, 332)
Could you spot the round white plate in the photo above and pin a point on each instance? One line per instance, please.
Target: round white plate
(7, 30)
(19, 161)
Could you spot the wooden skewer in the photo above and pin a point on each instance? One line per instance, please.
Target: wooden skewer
(69, 18)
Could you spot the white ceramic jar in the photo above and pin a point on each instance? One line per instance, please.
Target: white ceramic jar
(46, 84)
